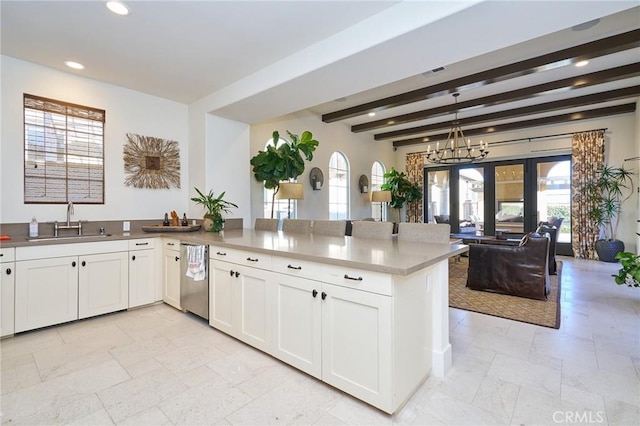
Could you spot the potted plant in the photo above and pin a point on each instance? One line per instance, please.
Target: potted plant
(629, 274)
(214, 206)
(402, 190)
(608, 190)
(283, 162)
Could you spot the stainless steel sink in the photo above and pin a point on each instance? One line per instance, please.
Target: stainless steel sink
(66, 238)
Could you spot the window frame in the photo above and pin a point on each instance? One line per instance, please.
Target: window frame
(346, 203)
(376, 181)
(51, 128)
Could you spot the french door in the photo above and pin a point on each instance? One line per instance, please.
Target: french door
(506, 196)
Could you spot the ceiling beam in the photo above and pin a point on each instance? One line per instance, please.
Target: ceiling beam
(578, 82)
(580, 101)
(594, 49)
(556, 119)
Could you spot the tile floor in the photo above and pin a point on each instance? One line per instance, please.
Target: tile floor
(157, 366)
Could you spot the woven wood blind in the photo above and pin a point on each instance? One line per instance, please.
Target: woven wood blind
(63, 152)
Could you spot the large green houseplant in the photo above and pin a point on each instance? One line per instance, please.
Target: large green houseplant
(214, 207)
(402, 190)
(607, 192)
(284, 161)
(629, 274)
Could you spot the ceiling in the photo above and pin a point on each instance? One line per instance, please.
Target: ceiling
(252, 61)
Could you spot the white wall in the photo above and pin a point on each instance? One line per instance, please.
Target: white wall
(127, 111)
(361, 151)
(622, 140)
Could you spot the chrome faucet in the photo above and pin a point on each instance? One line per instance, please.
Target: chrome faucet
(69, 212)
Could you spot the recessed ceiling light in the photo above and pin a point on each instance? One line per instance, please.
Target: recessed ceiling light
(74, 65)
(582, 63)
(371, 114)
(118, 7)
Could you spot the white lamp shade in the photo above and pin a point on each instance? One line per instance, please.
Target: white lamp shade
(380, 196)
(290, 191)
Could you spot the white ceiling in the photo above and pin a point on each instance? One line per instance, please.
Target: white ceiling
(253, 61)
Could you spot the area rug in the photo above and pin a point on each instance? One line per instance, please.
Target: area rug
(540, 312)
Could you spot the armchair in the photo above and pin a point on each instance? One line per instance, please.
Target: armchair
(516, 270)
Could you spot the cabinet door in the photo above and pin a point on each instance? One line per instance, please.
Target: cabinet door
(103, 284)
(297, 323)
(46, 292)
(171, 277)
(7, 289)
(223, 303)
(254, 287)
(142, 277)
(357, 343)
(239, 303)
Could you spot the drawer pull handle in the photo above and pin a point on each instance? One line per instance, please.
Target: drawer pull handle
(323, 295)
(347, 277)
(251, 259)
(314, 293)
(8, 271)
(297, 268)
(219, 253)
(143, 244)
(170, 244)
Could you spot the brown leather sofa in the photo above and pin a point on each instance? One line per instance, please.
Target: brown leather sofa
(508, 237)
(520, 270)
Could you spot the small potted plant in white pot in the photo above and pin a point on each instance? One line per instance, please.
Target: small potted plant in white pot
(214, 207)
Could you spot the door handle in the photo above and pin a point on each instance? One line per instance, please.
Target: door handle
(84, 263)
(73, 263)
(133, 257)
(237, 274)
(230, 273)
(8, 271)
(314, 293)
(323, 295)
(177, 258)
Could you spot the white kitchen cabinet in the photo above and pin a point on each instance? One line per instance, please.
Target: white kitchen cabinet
(46, 292)
(142, 272)
(171, 272)
(357, 343)
(297, 323)
(239, 299)
(103, 284)
(7, 291)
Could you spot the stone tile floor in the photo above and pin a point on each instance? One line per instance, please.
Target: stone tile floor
(157, 366)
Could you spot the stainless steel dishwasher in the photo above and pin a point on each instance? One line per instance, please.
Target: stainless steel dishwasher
(194, 281)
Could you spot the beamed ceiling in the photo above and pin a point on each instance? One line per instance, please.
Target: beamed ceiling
(542, 90)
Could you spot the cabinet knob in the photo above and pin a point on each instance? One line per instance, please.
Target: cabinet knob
(314, 293)
(323, 295)
(73, 263)
(230, 273)
(133, 257)
(8, 271)
(237, 274)
(84, 263)
(177, 258)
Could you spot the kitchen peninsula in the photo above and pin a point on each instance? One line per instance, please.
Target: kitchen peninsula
(369, 317)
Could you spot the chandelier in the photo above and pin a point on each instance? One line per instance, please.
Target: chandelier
(455, 149)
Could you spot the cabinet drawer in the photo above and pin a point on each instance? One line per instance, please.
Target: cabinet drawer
(241, 257)
(142, 244)
(7, 254)
(374, 282)
(295, 267)
(170, 244)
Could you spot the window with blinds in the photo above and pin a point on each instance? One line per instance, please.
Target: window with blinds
(63, 152)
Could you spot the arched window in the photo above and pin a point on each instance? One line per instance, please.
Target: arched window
(377, 179)
(338, 186)
(281, 207)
